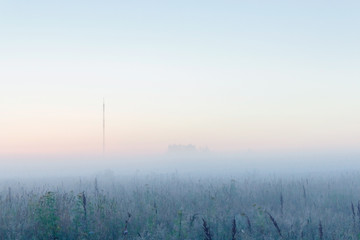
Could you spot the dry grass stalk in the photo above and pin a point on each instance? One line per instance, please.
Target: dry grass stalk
(321, 233)
(282, 203)
(275, 224)
(304, 192)
(233, 230)
(207, 232)
(353, 213)
(125, 231)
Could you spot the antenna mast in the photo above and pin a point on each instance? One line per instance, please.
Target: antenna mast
(103, 126)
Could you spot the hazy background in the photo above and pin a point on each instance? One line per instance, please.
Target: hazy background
(263, 81)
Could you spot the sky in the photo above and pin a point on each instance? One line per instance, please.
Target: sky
(232, 76)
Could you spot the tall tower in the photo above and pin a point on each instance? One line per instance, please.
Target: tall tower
(103, 126)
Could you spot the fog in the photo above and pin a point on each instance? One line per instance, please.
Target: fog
(189, 194)
(194, 163)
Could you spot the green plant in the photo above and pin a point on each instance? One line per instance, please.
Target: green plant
(47, 218)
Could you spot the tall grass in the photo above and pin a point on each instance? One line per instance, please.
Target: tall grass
(172, 207)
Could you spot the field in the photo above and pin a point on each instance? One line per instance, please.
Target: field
(156, 206)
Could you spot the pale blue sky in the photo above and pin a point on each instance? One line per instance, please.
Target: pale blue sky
(230, 75)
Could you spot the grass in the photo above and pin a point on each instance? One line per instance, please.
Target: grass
(174, 207)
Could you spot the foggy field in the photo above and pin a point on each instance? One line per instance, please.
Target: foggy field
(174, 206)
(179, 120)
